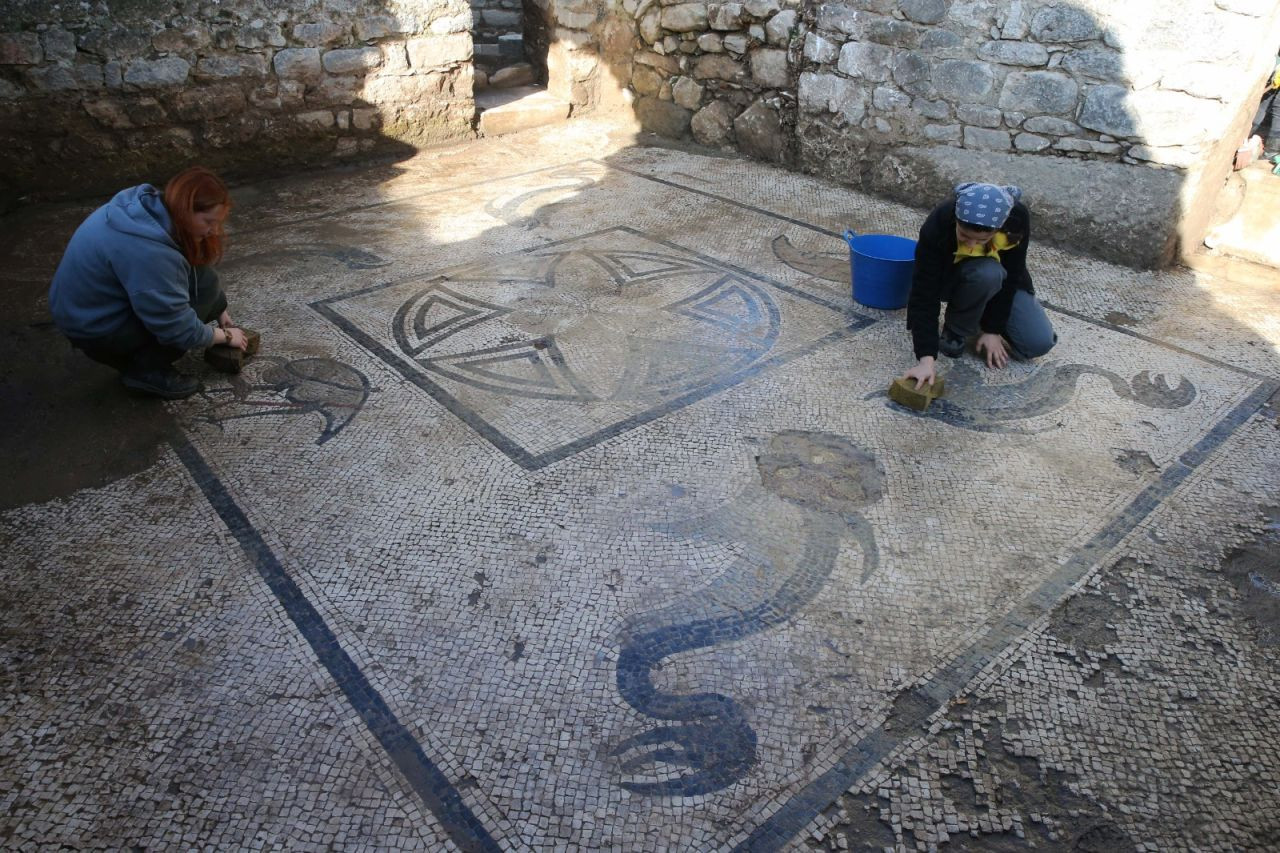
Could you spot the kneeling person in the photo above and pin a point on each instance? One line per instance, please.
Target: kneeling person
(136, 284)
(972, 255)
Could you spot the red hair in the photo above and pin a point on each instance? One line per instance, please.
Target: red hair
(192, 191)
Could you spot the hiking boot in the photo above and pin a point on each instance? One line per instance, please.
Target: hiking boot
(167, 383)
(950, 344)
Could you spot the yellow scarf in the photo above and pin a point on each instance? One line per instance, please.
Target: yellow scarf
(990, 249)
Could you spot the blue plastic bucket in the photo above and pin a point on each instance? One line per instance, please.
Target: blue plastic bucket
(881, 265)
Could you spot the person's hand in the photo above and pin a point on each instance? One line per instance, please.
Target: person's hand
(924, 371)
(224, 320)
(235, 337)
(997, 354)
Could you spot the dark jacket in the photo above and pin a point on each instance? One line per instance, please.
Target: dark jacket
(122, 260)
(936, 273)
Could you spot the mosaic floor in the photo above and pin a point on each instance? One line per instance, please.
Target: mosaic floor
(565, 509)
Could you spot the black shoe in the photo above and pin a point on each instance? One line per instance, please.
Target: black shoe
(169, 384)
(951, 345)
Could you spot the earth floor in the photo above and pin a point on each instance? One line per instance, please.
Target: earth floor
(565, 509)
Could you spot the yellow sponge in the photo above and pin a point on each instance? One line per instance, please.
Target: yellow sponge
(904, 391)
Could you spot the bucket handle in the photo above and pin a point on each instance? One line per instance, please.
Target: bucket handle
(849, 236)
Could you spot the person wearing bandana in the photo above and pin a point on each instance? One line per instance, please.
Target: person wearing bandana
(972, 255)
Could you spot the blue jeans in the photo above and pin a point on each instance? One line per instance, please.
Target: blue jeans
(1029, 332)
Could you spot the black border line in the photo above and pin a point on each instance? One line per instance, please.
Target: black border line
(431, 785)
(803, 807)
(533, 462)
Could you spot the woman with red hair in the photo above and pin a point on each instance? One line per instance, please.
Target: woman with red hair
(136, 285)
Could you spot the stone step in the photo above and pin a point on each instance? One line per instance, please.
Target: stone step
(1248, 227)
(508, 110)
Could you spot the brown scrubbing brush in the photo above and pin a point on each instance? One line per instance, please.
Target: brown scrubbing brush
(903, 390)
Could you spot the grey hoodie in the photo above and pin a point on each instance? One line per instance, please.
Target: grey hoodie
(122, 260)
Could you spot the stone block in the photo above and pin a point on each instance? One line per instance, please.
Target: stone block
(651, 26)
(1057, 24)
(888, 99)
(395, 57)
(351, 60)
(662, 117)
(779, 28)
(1087, 146)
(939, 42)
(1044, 92)
(372, 27)
(1051, 125)
(719, 67)
(531, 111)
(51, 78)
(865, 60)
(296, 63)
(1030, 142)
(836, 17)
(59, 45)
(336, 90)
(667, 64)
(758, 130)
(686, 93)
(981, 116)
(725, 16)
(1099, 63)
(10, 91)
(948, 133)
(439, 51)
(819, 49)
(315, 118)
(963, 80)
(159, 73)
(1012, 21)
(736, 43)
(935, 110)
(258, 35)
(193, 37)
(232, 67)
(646, 81)
(1026, 54)
(365, 118)
(711, 43)
(500, 17)
(20, 49)
(769, 67)
(892, 32)
(116, 42)
(986, 140)
(450, 24)
(911, 67)
(713, 124)
(321, 33)
(831, 93)
(924, 11)
(761, 8)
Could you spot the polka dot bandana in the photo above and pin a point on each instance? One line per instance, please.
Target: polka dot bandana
(985, 205)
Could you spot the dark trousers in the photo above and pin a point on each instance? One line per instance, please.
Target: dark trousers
(1029, 331)
(131, 348)
(1266, 122)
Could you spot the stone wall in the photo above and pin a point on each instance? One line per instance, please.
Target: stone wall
(94, 96)
(1117, 118)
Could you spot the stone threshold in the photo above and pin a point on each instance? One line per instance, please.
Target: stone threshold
(505, 111)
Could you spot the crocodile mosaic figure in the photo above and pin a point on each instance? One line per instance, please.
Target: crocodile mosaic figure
(975, 405)
(706, 742)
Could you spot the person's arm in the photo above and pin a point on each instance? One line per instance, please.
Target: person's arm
(995, 317)
(927, 277)
(157, 281)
